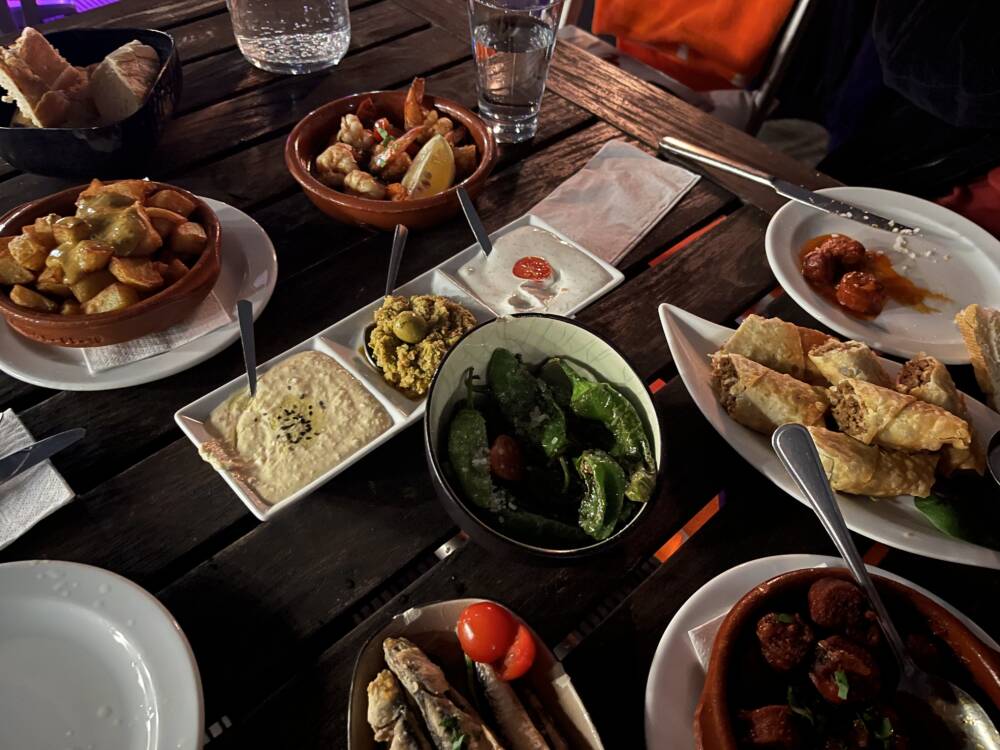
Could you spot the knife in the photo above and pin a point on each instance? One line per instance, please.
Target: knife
(22, 460)
(821, 202)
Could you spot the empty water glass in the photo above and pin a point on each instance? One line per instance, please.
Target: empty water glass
(291, 36)
(512, 41)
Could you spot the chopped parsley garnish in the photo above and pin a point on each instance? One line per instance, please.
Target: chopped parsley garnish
(885, 730)
(450, 725)
(785, 618)
(386, 138)
(843, 687)
(798, 708)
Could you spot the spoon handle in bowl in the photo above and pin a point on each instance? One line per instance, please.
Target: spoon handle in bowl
(475, 223)
(398, 243)
(244, 313)
(797, 452)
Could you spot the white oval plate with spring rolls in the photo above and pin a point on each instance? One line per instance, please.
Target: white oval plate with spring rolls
(432, 628)
(950, 255)
(892, 521)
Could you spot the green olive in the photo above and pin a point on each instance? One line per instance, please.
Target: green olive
(409, 327)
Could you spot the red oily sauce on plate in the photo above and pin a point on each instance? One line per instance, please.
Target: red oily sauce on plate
(532, 267)
(897, 287)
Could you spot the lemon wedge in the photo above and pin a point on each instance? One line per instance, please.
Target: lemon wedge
(432, 170)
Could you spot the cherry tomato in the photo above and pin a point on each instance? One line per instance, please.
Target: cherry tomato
(486, 631)
(519, 657)
(532, 267)
(490, 634)
(505, 458)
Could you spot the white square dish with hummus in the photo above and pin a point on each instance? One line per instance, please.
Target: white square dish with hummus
(311, 418)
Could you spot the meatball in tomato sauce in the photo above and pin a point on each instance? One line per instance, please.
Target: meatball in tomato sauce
(841, 606)
(844, 672)
(819, 267)
(861, 293)
(771, 727)
(848, 253)
(785, 640)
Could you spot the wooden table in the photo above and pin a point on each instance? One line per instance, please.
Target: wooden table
(276, 611)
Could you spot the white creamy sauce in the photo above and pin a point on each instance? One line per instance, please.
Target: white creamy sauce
(309, 414)
(574, 277)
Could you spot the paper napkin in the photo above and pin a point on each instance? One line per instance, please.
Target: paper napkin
(209, 316)
(32, 495)
(618, 196)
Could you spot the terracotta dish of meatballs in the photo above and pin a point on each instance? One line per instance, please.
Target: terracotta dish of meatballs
(800, 663)
(859, 280)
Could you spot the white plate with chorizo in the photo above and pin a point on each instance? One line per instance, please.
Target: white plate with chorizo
(677, 676)
(761, 391)
(901, 295)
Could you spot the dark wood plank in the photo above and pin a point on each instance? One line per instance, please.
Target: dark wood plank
(224, 75)
(716, 277)
(153, 14)
(204, 37)
(756, 521)
(648, 113)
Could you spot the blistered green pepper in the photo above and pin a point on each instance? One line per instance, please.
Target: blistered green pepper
(469, 449)
(527, 403)
(534, 527)
(604, 492)
(602, 402)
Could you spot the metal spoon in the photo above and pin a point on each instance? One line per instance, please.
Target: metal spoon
(959, 712)
(244, 313)
(395, 258)
(475, 223)
(993, 457)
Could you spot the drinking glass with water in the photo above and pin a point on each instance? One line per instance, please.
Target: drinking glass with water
(512, 41)
(291, 36)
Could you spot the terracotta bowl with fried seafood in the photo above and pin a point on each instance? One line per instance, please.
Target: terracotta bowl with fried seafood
(150, 315)
(976, 665)
(315, 130)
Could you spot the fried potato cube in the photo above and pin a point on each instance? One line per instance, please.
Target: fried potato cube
(70, 308)
(91, 285)
(28, 252)
(131, 190)
(12, 272)
(42, 230)
(53, 281)
(80, 259)
(138, 273)
(173, 201)
(188, 238)
(21, 295)
(130, 232)
(112, 298)
(172, 271)
(71, 229)
(164, 221)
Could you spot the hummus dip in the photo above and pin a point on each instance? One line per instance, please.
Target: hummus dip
(309, 414)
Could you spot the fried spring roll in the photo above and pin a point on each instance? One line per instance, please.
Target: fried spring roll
(840, 360)
(859, 469)
(777, 345)
(763, 399)
(927, 379)
(894, 420)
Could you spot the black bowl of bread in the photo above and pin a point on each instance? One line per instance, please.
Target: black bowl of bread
(86, 101)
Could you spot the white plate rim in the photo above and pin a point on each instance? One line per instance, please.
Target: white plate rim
(178, 360)
(158, 609)
(742, 577)
(739, 438)
(794, 212)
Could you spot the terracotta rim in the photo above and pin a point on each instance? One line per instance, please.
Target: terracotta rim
(298, 162)
(196, 277)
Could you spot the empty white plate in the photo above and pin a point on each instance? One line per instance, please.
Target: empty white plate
(90, 660)
(892, 521)
(953, 256)
(676, 677)
(249, 271)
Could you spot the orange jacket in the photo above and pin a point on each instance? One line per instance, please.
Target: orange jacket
(705, 44)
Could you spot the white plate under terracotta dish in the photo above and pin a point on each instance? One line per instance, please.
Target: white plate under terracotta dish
(249, 271)
(89, 659)
(676, 677)
(892, 521)
(953, 256)
(344, 342)
(432, 628)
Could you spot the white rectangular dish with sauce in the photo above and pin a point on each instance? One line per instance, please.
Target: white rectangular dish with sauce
(343, 342)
